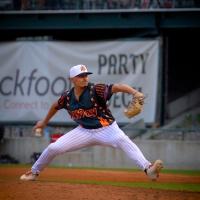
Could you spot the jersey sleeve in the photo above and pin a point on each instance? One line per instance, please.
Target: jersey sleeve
(62, 101)
(103, 91)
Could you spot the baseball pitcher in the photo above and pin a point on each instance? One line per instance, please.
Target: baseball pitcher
(86, 103)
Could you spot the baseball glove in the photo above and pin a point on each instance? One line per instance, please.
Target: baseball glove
(134, 107)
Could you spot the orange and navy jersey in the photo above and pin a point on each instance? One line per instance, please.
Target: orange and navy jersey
(91, 110)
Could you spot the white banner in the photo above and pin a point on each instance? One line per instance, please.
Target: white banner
(33, 75)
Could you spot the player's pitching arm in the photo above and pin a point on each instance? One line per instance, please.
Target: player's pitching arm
(52, 111)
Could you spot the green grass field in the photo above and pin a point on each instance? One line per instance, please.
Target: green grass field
(191, 187)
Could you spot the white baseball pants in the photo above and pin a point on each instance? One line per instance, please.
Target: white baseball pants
(80, 137)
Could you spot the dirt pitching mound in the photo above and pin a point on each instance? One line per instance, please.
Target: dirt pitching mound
(54, 184)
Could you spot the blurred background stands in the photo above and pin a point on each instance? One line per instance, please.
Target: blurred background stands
(95, 4)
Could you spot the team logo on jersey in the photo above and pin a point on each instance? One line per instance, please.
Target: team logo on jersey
(81, 113)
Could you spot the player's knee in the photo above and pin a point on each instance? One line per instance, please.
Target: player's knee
(122, 139)
(54, 149)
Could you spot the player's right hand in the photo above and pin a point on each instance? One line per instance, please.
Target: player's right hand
(38, 128)
(39, 125)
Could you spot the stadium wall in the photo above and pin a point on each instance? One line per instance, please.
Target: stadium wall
(175, 154)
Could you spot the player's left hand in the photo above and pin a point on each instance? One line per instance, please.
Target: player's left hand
(135, 106)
